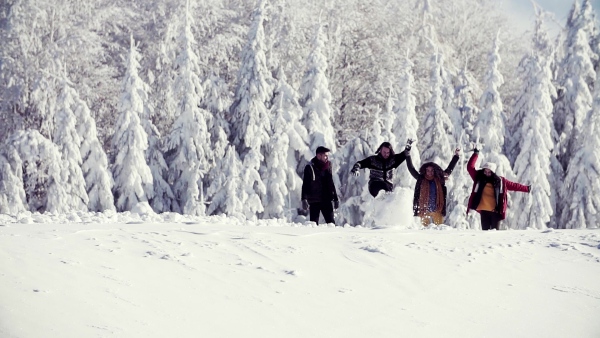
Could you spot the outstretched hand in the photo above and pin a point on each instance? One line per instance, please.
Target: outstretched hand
(457, 151)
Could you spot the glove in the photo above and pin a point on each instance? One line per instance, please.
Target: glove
(529, 188)
(336, 204)
(354, 170)
(305, 204)
(475, 150)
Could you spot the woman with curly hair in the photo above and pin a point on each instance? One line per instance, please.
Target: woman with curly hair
(429, 202)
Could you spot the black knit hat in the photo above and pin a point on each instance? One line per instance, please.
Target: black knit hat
(322, 150)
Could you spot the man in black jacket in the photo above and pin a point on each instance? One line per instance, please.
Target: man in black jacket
(381, 166)
(318, 190)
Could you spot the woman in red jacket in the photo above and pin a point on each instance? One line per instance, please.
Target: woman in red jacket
(489, 194)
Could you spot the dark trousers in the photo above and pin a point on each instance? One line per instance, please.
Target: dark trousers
(321, 207)
(376, 186)
(489, 220)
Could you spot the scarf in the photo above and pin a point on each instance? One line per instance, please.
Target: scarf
(424, 197)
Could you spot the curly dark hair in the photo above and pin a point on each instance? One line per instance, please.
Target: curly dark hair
(438, 172)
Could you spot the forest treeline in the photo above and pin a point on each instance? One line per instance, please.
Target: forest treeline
(214, 107)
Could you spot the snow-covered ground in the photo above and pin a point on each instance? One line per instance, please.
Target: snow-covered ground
(148, 275)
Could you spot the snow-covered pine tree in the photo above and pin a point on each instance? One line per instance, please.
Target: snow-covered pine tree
(133, 177)
(436, 126)
(577, 73)
(529, 74)
(352, 188)
(43, 171)
(252, 186)
(589, 23)
(12, 194)
(287, 113)
(490, 126)
(224, 191)
(215, 101)
(315, 97)
(388, 117)
(458, 196)
(465, 104)
(374, 135)
(188, 144)
(449, 98)
(162, 198)
(98, 178)
(580, 194)
(277, 201)
(532, 164)
(405, 124)
(68, 140)
(249, 113)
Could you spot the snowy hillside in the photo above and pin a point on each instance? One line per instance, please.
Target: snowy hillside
(132, 275)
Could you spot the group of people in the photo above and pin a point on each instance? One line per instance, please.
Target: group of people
(488, 195)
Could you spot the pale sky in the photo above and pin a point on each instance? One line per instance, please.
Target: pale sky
(522, 10)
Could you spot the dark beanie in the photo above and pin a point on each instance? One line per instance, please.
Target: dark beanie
(321, 150)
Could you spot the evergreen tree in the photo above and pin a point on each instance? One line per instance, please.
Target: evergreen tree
(277, 200)
(215, 102)
(68, 141)
(133, 177)
(580, 195)
(225, 188)
(12, 194)
(529, 69)
(405, 124)
(436, 125)
(458, 197)
(188, 145)
(43, 172)
(287, 112)
(532, 165)
(252, 186)
(468, 110)
(490, 126)
(575, 81)
(250, 122)
(162, 198)
(315, 97)
(351, 191)
(98, 178)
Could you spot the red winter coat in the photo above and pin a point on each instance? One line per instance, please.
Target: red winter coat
(501, 187)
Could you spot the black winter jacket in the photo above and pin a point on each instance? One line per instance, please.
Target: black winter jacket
(382, 169)
(317, 184)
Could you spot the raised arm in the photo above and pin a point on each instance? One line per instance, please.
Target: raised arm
(453, 162)
(399, 158)
(471, 164)
(411, 167)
